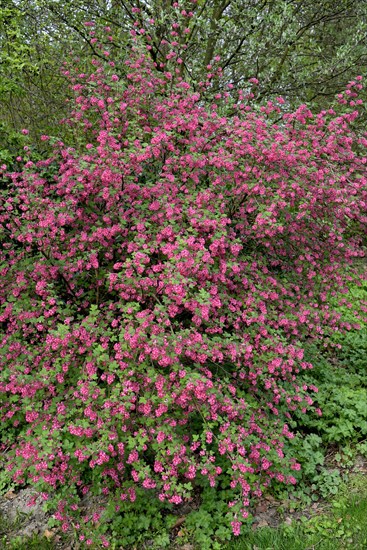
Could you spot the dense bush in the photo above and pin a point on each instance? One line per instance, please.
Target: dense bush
(157, 285)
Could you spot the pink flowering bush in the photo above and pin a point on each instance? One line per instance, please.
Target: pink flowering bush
(158, 282)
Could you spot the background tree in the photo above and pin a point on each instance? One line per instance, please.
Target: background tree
(303, 50)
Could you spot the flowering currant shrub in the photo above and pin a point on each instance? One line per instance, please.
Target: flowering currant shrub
(157, 285)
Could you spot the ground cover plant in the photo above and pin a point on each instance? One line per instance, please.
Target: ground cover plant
(161, 277)
(340, 524)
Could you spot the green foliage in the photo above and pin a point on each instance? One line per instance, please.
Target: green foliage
(341, 377)
(11, 145)
(30, 79)
(317, 478)
(207, 526)
(341, 525)
(145, 521)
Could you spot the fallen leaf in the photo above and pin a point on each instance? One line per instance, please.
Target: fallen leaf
(261, 508)
(179, 522)
(262, 523)
(48, 534)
